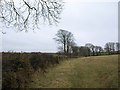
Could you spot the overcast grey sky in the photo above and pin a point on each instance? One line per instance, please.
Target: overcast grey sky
(91, 21)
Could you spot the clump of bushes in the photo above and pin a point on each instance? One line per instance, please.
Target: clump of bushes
(17, 68)
(15, 72)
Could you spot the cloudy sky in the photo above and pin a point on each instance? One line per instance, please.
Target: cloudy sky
(91, 21)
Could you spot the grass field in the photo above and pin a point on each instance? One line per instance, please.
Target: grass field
(86, 72)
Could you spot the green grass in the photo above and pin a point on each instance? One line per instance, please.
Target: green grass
(86, 72)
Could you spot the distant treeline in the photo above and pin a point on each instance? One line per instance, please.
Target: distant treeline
(67, 46)
(93, 50)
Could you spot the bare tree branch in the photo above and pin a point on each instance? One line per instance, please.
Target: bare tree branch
(24, 14)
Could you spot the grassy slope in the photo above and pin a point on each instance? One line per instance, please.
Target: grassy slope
(87, 72)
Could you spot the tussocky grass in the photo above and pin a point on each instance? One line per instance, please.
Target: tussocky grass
(86, 72)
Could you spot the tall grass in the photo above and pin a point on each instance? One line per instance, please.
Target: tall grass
(85, 72)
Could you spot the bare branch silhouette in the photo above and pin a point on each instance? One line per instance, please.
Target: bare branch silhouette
(24, 14)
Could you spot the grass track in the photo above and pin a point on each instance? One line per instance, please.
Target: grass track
(86, 72)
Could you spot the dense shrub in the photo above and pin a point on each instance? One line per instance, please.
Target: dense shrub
(17, 68)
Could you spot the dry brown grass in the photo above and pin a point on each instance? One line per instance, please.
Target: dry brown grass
(87, 72)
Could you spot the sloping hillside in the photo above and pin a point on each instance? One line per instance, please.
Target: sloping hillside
(87, 72)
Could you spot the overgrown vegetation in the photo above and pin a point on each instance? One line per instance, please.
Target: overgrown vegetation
(18, 67)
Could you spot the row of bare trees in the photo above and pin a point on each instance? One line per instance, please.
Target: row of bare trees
(65, 39)
(112, 47)
(109, 48)
(92, 50)
(67, 46)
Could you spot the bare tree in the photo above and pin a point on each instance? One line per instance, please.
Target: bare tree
(65, 39)
(98, 50)
(91, 47)
(118, 47)
(110, 47)
(24, 14)
(107, 48)
(70, 42)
